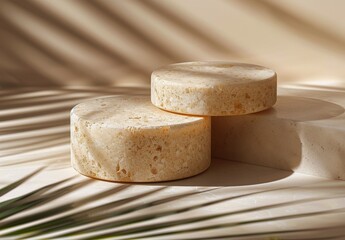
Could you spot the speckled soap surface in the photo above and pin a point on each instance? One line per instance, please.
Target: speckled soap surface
(213, 88)
(126, 138)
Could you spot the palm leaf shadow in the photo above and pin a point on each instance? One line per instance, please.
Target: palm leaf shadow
(278, 232)
(37, 198)
(138, 32)
(182, 222)
(12, 31)
(17, 183)
(29, 200)
(76, 222)
(36, 120)
(156, 215)
(60, 209)
(189, 28)
(14, 36)
(106, 211)
(298, 24)
(216, 226)
(58, 24)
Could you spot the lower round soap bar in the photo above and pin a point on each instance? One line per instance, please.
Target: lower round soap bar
(127, 139)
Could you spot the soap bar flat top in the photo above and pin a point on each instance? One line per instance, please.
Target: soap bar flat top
(128, 112)
(213, 73)
(213, 88)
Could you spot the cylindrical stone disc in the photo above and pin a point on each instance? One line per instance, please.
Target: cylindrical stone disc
(127, 139)
(213, 88)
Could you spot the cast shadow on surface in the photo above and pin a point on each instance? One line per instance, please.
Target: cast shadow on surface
(223, 173)
(305, 109)
(269, 138)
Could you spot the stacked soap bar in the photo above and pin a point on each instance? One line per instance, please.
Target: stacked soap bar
(130, 139)
(213, 88)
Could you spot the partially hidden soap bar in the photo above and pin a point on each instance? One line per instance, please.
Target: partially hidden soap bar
(127, 139)
(213, 88)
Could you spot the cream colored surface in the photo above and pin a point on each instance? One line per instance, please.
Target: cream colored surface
(251, 202)
(304, 132)
(213, 88)
(125, 138)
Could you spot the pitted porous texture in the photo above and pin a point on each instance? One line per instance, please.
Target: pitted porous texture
(213, 88)
(127, 139)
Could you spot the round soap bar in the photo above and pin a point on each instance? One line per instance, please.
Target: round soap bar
(213, 88)
(127, 139)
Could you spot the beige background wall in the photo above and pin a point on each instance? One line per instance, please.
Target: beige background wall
(120, 42)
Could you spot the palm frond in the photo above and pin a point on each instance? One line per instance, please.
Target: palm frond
(183, 222)
(38, 197)
(126, 218)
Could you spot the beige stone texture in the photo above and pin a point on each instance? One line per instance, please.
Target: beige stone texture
(213, 88)
(127, 139)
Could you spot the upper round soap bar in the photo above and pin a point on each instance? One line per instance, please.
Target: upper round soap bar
(127, 139)
(213, 88)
